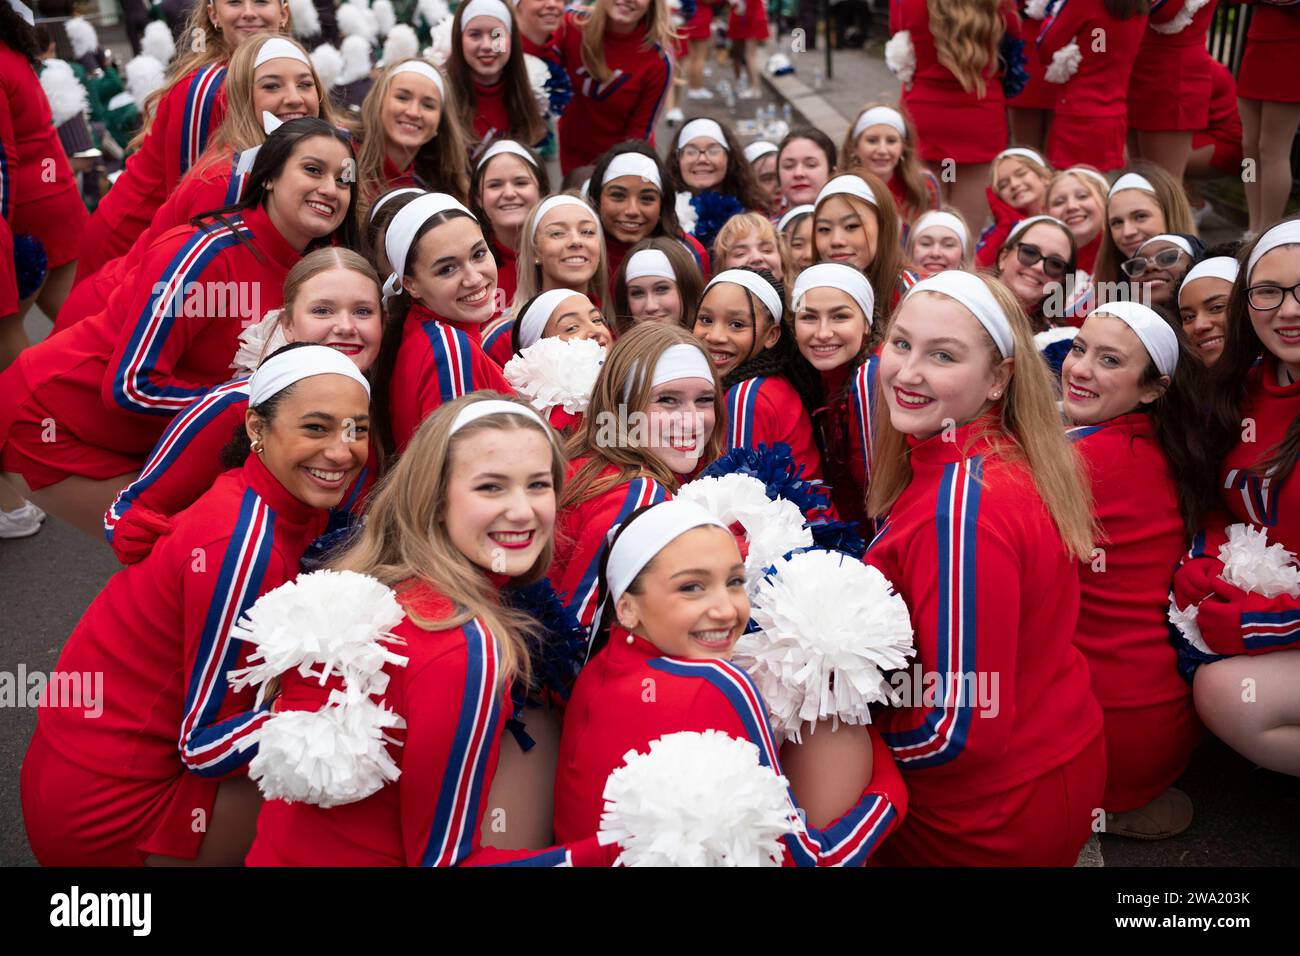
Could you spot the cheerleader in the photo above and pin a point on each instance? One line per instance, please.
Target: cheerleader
(1091, 82)
(657, 282)
(1038, 264)
(38, 192)
(180, 118)
(487, 64)
(855, 223)
(411, 134)
(805, 162)
(833, 307)
(331, 297)
(1143, 203)
(939, 241)
(382, 213)
(1018, 180)
(1203, 305)
(617, 57)
(159, 777)
(751, 239)
(1077, 197)
(1030, 110)
(537, 21)
(112, 382)
(1158, 267)
(796, 228)
(1169, 89)
(445, 540)
(1216, 150)
(656, 416)
(1133, 393)
(706, 161)
(1270, 109)
(980, 486)
(693, 49)
(563, 241)
(771, 388)
(883, 141)
(562, 314)
(747, 27)
(761, 156)
(674, 587)
(508, 183)
(439, 295)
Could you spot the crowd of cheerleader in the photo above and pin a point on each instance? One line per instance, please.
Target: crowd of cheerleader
(467, 518)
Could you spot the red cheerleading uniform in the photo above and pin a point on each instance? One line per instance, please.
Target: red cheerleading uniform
(132, 782)
(438, 361)
(184, 119)
(1170, 86)
(1091, 122)
(626, 106)
(907, 213)
(750, 25)
(507, 273)
(848, 429)
(38, 192)
(1086, 260)
(498, 339)
(1272, 48)
(607, 716)
(580, 531)
(111, 383)
(1012, 779)
(450, 696)
(765, 410)
(1223, 131)
(950, 122)
(1038, 94)
(491, 117)
(1150, 722)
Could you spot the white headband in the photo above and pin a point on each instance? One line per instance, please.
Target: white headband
(804, 210)
(651, 532)
(1132, 181)
(1020, 151)
(1154, 332)
(706, 128)
(755, 284)
(648, 262)
(24, 11)
(485, 8)
(847, 185)
(1178, 241)
(278, 48)
(506, 146)
(249, 156)
(280, 371)
(533, 322)
(1091, 174)
(492, 406)
(633, 164)
(1024, 225)
(836, 275)
(402, 230)
(1283, 234)
(562, 199)
(393, 194)
(971, 292)
(944, 220)
(1215, 267)
(422, 69)
(676, 362)
(880, 116)
(756, 151)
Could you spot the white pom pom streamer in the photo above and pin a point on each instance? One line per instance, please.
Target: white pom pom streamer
(831, 627)
(305, 18)
(1036, 9)
(328, 62)
(157, 42)
(1065, 63)
(258, 341)
(64, 91)
(440, 41)
(82, 36)
(686, 215)
(1255, 566)
(900, 57)
(696, 799)
(553, 372)
(144, 75)
(433, 12)
(538, 74)
(355, 20)
(386, 17)
(1182, 20)
(356, 59)
(1185, 621)
(402, 44)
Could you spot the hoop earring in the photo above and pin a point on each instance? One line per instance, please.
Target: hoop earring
(257, 447)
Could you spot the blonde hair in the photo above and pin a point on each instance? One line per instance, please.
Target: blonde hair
(742, 224)
(659, 31)
(909, 164)
(405, 536)
(1173, 204)
(966, 38)
(887, 258)
(324, 260)
(528, 276)
(624, 386)
(1028, 431)
(1079, 172)
(967, 241)
(1041, 170)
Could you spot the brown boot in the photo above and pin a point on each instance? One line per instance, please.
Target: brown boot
(1167, 815)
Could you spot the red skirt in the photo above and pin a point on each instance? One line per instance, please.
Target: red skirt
(700, 26)
(1147, 749)
(1170, 89)
(1094, 140)
(964, 132)
(1268, 71)
(752, 26)
(58, 221)
(1038, 94)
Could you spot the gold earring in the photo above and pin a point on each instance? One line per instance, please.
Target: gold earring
(257, 447)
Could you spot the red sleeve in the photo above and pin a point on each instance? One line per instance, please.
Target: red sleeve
(649, 104)
(195, 108)
(1061, 26)
(201, 191)
(8, 154)
(1005, 218)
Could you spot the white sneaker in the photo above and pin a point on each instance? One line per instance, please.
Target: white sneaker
(749, 93)
(21, 522)
(699, 93)
(674, 117)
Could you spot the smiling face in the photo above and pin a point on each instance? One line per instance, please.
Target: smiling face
(1019, 186)
(829, 328)
(703, 163)
(1279, 329)
(802, 249)
(568, 247)
(680, 418)
(454, 273)
(538, 19)
(237, 20)
(624, 15)
(1133, 216)
(844, 235)
(1030, 283)
(310, 197)
(285, 89)
(938, 366)
(500, 507)
(485, 41)
(692, 601)
(936, 249)
(655, 299)
(1160, 282)
(757, 250)
(577, 318)
(317, 441)
(411, 112)
(509, 193)
(802, 171)
(339, 308)
(1203, 308)
(1077, 206)
(879, 148)
(1101, 377)
(725, 324)
(629, 208)
(768, 184)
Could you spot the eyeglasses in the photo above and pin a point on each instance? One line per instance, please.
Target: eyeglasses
(1030, 255)
(1266, 298)
(689, 153)
(1138, 266)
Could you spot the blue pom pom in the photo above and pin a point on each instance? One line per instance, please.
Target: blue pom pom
(337, 536)
(1055, 354)
(712, 210)
(30, 263)
(838, 536)
(1014, 74)
(776, 469)
(558, 653)
(1189, 658)
(558, 87)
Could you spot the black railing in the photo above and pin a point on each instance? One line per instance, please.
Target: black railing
(1227, 37)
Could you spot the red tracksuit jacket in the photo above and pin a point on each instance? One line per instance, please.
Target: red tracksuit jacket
(765, 410)
(33, 163)
(849, 430)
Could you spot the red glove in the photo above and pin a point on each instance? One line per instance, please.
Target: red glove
(1194, 581)
(137, 532)
(1220, 617)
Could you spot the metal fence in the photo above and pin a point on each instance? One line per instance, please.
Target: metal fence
(1227, 37)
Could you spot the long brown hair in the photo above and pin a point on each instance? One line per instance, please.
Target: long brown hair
(737, 180)
(690, 283)
(887, 261)
(1173, 204)
(909, 164)
(966, 38)
(528, 274)
(526, 123)
(657, 23)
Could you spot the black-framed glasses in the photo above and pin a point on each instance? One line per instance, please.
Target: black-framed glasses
(1138, 266)
(1030, 255)
(1268, 297)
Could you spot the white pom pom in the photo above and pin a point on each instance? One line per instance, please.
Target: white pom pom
(144, 74)
(1185, 621)
(258, 341)
(157, 42)
(356, 59)
(386, 17)
(696, 799)
(552, 372)
(434, 12)
(440, 41)
(1065, 63)
(831, 627)
(1254, 565)
(776, 63)
(328, 63)
(900, 57)
(1036, 9)
(1065, 333)
(82, 36)
(1182, 20)
(355, 20)
(686, 215)
(305, 18)
(402, 44)
(538, 74)
(64, 91)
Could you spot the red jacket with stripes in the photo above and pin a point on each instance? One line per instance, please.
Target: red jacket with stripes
(765, 410)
